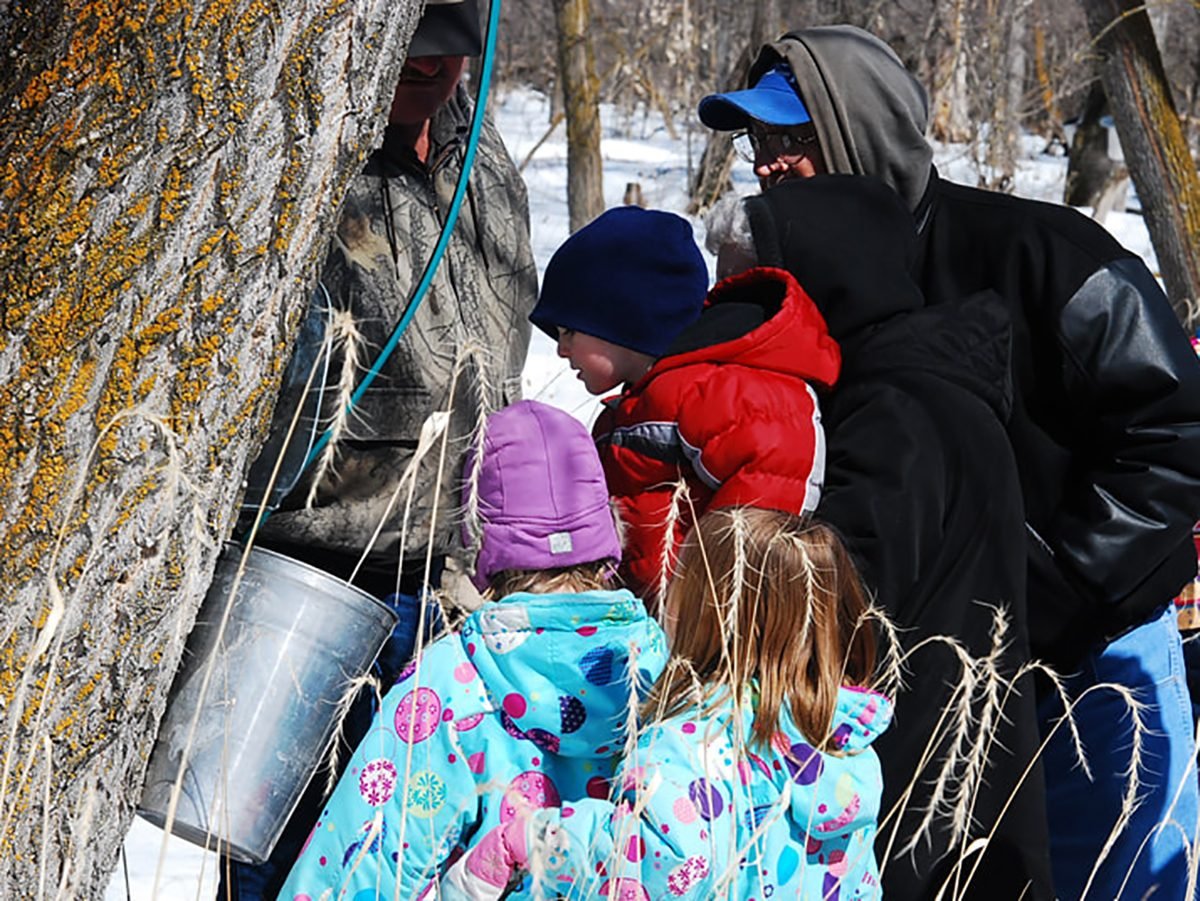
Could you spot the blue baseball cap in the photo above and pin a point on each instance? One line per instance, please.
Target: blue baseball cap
(773, 100)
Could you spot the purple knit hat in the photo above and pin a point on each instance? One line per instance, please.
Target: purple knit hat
(542, 499)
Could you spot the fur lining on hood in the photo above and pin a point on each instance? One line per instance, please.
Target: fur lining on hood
(869, 111)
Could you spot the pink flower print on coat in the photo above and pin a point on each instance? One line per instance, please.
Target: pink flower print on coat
(547, 741)
(377, 782)
(684, 810)
(467, 723)
(867, 716)
(843, 819)
(529, 791)
(418, 715)
(687, 875)
(490, 861)
(845, 795)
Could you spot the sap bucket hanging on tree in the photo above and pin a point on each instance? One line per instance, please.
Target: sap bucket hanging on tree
(267, 687)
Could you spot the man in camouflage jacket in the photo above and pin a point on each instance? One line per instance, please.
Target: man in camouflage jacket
(474, 318)
(468, 339)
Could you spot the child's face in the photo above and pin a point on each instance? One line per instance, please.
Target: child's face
(601, 365)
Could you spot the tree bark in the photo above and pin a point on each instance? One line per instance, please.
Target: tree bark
(1152, 138)
(712, 175)
(1089, 166)
(170, 181)
(951, 120)
(581, 94)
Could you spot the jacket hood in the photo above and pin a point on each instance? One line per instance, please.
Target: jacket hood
(968, 343)
(566, 670)
(760, 318)
(870, 113)
(847, 239)
(851, 244)
(861, 717)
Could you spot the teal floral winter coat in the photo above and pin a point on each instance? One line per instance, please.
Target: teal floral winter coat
(697, 820)
(527, 703)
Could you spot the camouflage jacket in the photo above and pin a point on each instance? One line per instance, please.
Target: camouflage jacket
(480, 298)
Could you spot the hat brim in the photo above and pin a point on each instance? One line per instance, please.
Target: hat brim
(448, 29)
(545, 325)
(771, 101)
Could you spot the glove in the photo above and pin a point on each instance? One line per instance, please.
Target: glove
(483, 873)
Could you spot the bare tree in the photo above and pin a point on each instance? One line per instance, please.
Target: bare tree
(581, 94)
(1090, 169)
(170, 181)
(712, 175)
(1156, 151)
(950, 119)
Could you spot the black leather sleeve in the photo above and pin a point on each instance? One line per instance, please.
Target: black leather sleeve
(1123, 531)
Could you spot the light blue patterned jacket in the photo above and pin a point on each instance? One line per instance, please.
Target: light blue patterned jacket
(697, 820)
(528, 702)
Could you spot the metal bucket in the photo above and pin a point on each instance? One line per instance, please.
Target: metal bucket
(294, 638)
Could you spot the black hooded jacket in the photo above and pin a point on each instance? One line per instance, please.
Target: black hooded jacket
(922, 483)
(1106, 421)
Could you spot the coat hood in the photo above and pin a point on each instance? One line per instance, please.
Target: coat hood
(760, 318)
(851, 243)
(566, 670)
(860, 717)
(870, 113)
(847, 239)
(968, 343)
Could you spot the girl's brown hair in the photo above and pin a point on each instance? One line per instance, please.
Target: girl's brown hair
(584, 577)
(767, 596)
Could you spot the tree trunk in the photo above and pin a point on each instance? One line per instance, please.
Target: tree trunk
(712, 175)
(581, 94)
(1152, 138)
(1008, 59)
(1089, 167)
(951, 120)
(170, 182)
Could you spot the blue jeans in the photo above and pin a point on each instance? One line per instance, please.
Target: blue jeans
(1149, 661)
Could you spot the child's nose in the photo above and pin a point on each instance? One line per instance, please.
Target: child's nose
(562, 348)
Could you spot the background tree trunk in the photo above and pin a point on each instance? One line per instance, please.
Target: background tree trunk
(1089, 167)
(1152, 138)
(581, 94)
(950, 102)
(712, 175)
(1003, 83)
(170, 183)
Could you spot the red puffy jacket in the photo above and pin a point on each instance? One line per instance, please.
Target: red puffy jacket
(730, 410)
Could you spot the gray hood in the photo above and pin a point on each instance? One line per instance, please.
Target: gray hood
(869, 112)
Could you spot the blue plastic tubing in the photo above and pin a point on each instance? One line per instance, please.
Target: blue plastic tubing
(460, 192)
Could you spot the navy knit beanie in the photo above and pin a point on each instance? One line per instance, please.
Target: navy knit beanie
(631, 276)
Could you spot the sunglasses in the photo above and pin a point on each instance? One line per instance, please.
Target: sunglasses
(753, 145)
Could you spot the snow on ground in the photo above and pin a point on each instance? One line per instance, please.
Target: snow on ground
(637, 148)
